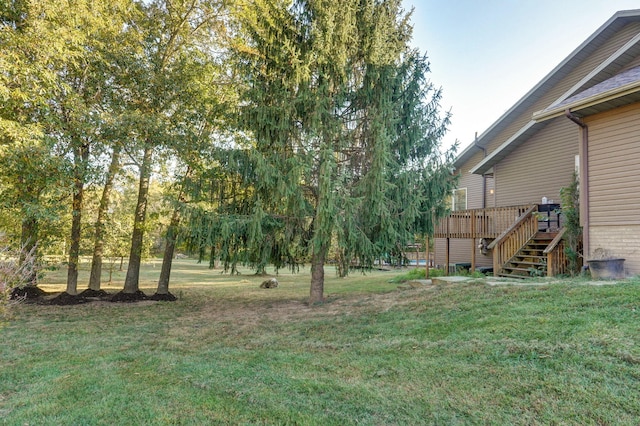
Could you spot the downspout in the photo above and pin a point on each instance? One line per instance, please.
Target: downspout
(484, 205)
(584, 178)
(484, 177)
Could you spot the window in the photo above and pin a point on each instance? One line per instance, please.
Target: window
(459, 199)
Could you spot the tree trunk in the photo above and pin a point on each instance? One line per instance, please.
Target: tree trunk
(131, 282)
(81, 158)
(74, 248)
(98, 248)
(167, 259)
(172, 235)
(28, 242)
(317, 275)
(322, 225)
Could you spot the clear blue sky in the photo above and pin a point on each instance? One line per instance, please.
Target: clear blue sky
(487, 54)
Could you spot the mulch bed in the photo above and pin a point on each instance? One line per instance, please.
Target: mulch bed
(35, 295)
(129, 297)
(163, 297)
(65, 298)
(29, 292)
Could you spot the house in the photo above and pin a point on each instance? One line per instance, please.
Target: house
(584, 116)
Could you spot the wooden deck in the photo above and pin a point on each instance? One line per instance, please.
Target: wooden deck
(479, 223)
(508, 229)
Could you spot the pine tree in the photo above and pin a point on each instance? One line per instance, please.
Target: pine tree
(344, 131)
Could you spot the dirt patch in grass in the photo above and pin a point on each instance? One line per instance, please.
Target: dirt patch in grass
(248, 313)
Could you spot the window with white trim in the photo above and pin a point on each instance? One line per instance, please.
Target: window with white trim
(459, 199)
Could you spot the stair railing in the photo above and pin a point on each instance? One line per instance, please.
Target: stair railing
(513, 239)
(556, 257)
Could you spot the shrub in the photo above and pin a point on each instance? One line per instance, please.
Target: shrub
(571, 210)
(416, 274)
(17, 269)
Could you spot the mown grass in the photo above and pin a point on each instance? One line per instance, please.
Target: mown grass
(228, 352)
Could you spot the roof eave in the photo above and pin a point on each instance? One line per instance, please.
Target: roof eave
(485, 137)
(590, 101)
(499, 153)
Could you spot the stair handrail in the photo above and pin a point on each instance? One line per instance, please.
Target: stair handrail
(556, 256)
(554, 243)
(513, 239)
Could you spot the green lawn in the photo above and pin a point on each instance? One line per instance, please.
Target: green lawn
(228, 352)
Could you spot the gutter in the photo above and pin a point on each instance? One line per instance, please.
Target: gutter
(584, 178)
(589, 101)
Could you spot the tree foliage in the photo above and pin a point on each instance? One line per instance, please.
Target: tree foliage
(343, 138)
(570, 196)
(290, 131)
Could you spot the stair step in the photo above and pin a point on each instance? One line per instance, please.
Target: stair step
(525, 262)
(512, 269)
(528, 256)
(513, 276)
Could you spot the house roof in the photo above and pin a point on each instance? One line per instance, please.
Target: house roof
(611, 66)
(619, 90)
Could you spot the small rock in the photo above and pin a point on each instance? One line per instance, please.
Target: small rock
(270, 283)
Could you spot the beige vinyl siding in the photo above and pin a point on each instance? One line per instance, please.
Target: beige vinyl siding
(632, 64)
(618, 241)
(614, 167)
(490, 197)
(589, 63)
(472, 182)
(614, 201)
(539, 167)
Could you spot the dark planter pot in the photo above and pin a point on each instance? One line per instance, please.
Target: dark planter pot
(606, 269)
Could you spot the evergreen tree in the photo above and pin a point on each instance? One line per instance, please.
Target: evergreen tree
(344, 131)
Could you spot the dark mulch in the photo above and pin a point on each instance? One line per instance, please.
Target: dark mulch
(33, 294)
(65, 298)
(94, 294)
(27, 293)
(163, 297)
(129, 297)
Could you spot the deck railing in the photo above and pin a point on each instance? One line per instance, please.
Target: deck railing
(507, 244)
(556, 257)
(479, 223)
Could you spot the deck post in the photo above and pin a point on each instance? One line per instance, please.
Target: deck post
(426, 254)
(473, 243)
(446, 259)
(473, 255)
(446, 253)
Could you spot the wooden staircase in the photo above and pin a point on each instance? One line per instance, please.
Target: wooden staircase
(531, 259)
